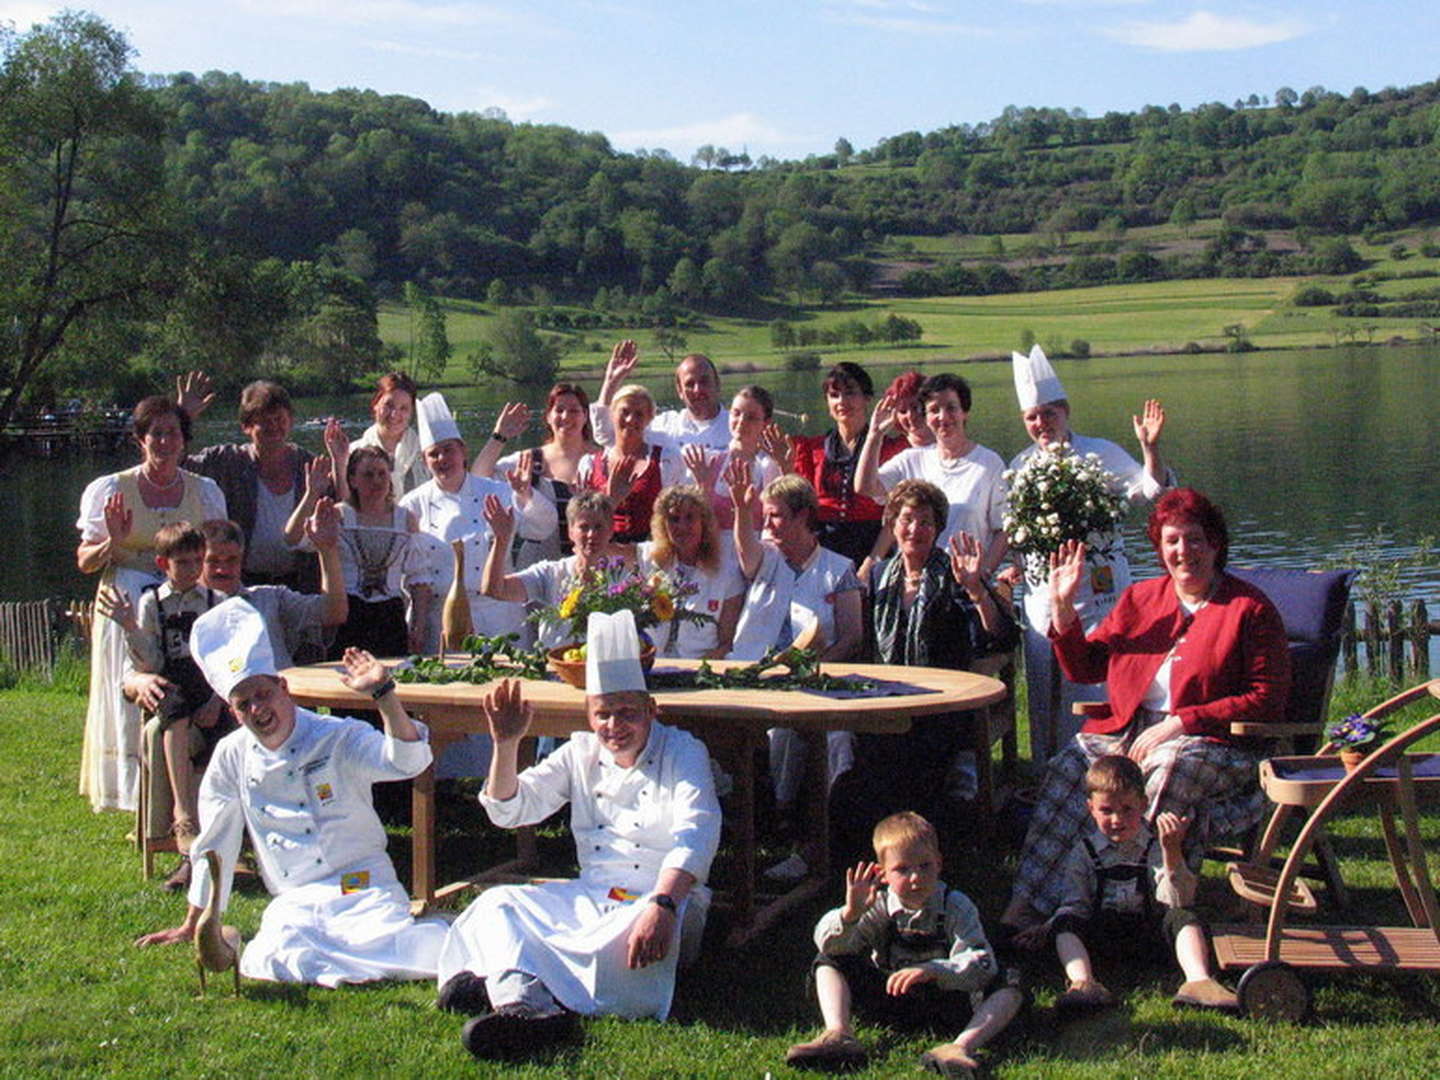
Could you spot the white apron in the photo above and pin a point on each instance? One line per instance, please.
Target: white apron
(571, 936)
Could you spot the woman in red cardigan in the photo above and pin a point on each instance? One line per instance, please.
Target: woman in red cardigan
(1183, 656)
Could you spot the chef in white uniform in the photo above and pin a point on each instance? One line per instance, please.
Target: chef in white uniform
(300, 783)
(451, 506)
(646, 823)
(697, 384)
(1045, 411)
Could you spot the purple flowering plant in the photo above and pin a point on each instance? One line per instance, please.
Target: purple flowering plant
(610, 586)
(1354, 731)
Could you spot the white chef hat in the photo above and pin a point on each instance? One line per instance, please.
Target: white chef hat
(1035, 380)
(612, 654)
(436, 423)
(230, 643)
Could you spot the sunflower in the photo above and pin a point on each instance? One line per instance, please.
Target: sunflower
(571, 601)
(662, 606)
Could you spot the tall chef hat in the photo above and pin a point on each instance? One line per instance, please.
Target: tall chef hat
(612, 654)
(436, 423)
(230, 643)
(1035, 380)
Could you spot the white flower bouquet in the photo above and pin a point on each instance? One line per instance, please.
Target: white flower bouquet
(1059, 495)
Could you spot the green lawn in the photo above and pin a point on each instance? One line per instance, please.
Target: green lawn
(77, 998)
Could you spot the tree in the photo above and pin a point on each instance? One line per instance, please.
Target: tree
(430, 347)
(1286, 97)
(83, 218)
(670, 341)
(844, 151)
(517, 351)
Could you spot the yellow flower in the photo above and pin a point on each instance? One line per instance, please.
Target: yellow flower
(662, 606)
(570, 603)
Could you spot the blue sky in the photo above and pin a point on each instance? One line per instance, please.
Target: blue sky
(787, 77)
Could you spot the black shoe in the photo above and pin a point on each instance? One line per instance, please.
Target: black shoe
(179, 881)
(514, 1031)
(464, 993)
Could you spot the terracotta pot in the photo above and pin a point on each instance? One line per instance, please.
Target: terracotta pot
(573, 671)
(1351, 759)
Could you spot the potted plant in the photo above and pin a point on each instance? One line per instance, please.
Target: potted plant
(1354, 736)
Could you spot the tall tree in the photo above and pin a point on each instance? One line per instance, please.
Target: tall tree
(82, 206)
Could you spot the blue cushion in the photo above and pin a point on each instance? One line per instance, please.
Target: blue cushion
(1311, 604)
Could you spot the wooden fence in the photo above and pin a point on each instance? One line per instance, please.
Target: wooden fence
(1395, 639)
(28, 635)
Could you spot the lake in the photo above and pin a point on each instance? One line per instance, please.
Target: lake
(1306, 450)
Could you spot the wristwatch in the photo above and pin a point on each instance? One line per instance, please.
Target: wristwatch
(667, 902)
(384, 688)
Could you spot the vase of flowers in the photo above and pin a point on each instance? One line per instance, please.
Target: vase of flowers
(1059, 495)
(612, 586)
(1354, 736)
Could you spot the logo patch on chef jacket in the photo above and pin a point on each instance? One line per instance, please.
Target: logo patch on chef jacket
(354, 882)
(324, 792)
(622, 896)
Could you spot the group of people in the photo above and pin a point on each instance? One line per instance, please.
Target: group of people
(882, 539)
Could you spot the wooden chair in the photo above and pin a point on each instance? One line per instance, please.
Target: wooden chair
(995, 723)
(154, 803)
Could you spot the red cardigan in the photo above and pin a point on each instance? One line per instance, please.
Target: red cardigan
(1234, 664)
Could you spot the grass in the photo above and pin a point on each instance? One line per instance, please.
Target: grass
(76, 997)
(1114, 319)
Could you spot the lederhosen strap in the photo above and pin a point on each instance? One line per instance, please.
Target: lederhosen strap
(1137, 873)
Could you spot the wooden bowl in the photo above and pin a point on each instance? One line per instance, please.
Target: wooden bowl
(573, 671)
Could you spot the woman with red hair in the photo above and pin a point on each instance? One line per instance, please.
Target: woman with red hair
(1184, 656)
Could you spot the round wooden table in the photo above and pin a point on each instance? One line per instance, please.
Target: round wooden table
(732, 724)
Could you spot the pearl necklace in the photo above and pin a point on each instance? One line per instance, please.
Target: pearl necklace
(171, 486)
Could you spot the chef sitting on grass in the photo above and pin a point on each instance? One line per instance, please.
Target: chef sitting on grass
(524, 960)
(300, 782)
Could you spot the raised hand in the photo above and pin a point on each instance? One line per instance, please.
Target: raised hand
(115, 605)
(337, 443)
(965, 559)
(500, 519)
(1067, 570)
(118, 519)
(513, 420)
(363, 673)
(882, 420)
(1171, 828)
(703, 465)
(506, 713)
(623, 358)
(776, 443)
(522, 477)
(1150, 424)
(323, 524)
(317, 477)
(194, 393)
(860, 890)
(737, 478)
(625, 475)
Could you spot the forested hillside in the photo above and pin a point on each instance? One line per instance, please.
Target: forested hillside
(157, 222)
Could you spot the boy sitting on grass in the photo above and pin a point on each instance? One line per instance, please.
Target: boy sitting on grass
(912, 954)
(1126, 893)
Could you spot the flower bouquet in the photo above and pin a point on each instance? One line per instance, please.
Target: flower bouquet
(611, 586)
(1059, 495)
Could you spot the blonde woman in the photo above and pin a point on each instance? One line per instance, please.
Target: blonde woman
(688, 546)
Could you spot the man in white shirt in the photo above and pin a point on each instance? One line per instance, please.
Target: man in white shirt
(702, 421)
(525, 959)
(300, 783)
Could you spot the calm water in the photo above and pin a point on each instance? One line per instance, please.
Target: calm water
(1306, 450)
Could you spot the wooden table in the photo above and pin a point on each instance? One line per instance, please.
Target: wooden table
(732, 724)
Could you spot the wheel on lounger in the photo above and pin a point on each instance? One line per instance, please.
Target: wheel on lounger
(1273, 991)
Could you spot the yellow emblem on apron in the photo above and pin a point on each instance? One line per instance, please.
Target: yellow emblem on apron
(354, 882)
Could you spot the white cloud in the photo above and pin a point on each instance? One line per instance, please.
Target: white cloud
(736, 131)
(399, 48)
(1204, 31)
(901, 16)
(516, 108)
(406, 13)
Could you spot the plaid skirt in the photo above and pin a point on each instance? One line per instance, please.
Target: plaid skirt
(1216, 784)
